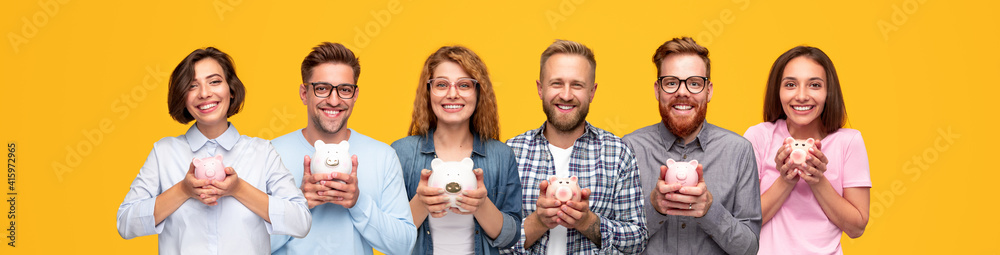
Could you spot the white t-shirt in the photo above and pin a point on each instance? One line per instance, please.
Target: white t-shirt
(557, 235)
(453, 233)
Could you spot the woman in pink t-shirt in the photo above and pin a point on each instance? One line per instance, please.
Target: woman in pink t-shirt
(805, 206)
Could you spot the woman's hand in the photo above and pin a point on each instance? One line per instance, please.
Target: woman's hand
(786, 169)
(433, 198)
(815, 166)
(470, 200)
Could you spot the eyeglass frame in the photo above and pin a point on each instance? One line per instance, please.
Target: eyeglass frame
(451, 84)
(659, 80)
(355, 86)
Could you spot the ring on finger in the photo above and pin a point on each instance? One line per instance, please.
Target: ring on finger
(690, 206)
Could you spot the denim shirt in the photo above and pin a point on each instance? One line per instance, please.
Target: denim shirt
(503, 187)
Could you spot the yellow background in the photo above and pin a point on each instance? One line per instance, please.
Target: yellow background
(84, 90)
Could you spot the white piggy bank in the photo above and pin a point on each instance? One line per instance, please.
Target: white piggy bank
(453, 177)
(332, 157)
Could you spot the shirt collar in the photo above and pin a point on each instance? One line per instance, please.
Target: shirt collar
(428, 143)
(701, 139)
(227, 140)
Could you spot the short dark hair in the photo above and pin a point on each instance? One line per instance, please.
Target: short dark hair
(834, 113)
(682, 45)
(180, 81)
(328, 52)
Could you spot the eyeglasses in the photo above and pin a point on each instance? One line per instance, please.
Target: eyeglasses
(440, 86)
(694, 84)
(344, 90)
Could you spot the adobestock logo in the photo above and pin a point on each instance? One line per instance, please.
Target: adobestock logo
(38, 20)
(380, 20)
(899, 17)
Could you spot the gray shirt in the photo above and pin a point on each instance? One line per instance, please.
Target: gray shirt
(732, 224)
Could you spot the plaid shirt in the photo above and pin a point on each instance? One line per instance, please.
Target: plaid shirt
(603, 163)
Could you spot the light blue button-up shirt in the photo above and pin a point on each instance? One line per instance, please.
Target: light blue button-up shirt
(228, 227)
(381, 217)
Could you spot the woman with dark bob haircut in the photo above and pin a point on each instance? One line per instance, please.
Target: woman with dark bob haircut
(230, 211)
(814, 177)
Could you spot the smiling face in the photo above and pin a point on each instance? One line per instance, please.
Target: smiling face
(328, 115)
(454, 107)
(803, 91)
(566, 90)
(682, 111)
(208, 96)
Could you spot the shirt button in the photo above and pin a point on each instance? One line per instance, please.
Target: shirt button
(685, 156)
(683, 225)
(428, 232)
(661, 222)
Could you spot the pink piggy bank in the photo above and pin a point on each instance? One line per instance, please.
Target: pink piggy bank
(684, 173)
(453, 177)
(563, 189)
(800, 149)
(209, 168)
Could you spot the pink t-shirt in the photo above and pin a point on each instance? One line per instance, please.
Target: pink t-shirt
(800, 226)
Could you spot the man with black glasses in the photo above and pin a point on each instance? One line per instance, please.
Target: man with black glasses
(721, 213)
(352, 213)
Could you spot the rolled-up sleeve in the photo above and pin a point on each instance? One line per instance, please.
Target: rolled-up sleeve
(509, 196)
(135, 214)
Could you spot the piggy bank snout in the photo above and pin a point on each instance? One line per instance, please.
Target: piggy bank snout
(564, 194)
(453, 187)
(798, 156)
(681, 176)
(210, 173)
(331, 161)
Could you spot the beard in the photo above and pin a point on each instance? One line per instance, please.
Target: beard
(683, 126)
(331, 126)
(572, 120)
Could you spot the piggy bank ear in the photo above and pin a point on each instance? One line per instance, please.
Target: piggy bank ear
(789, 140)
(694, 163)
(436, 163)
(467, 163)
(573, 178)
(218, 157)
(670, 162)
(810, 141)
(344, 145)
(197, 161)
(552, 179)
(318, 143)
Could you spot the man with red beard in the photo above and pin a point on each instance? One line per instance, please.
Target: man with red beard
(608, 218)
(721, 215)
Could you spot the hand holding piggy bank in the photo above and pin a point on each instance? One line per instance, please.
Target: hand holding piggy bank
(332, 157)
(800, 149)
(209, 168)
(453, 177)
(563, 189)
(684, 173)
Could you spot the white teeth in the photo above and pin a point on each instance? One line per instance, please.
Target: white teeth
(802, 108)
(565, 107)
(207, 106)
(331, 112)
(682, 107)
(453, 106)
